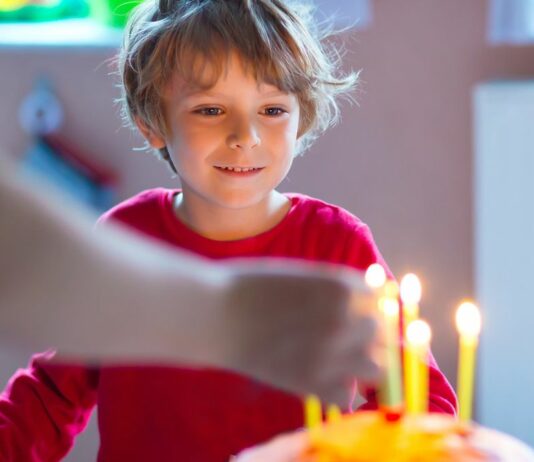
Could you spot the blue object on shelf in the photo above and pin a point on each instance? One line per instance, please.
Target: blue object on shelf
(42, 160)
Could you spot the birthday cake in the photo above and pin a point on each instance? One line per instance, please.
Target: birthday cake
(370, 437)
(413, 435)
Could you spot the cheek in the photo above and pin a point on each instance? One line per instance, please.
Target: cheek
(187, 136)
(290, 139)
(285, 151)
(287, 132)
(188, 145)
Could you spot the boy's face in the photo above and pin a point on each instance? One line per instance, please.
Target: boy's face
(233, 143)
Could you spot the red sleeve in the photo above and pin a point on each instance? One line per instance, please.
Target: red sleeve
(43, 408)
(441, 395)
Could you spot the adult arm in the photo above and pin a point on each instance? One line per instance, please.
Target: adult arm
(95, 295)
(111, 296)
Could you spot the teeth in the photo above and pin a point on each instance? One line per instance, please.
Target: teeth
(239, 169)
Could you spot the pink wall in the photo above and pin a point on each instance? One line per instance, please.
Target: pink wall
(401, 161)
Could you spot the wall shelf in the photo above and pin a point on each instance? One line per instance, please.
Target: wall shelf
(67, 33)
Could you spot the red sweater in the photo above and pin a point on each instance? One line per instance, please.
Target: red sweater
(171, 413)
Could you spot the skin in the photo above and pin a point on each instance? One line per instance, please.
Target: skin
(284, 448)
(238, 123)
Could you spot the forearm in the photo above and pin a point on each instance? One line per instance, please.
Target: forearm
(111, 296)
(98, 296)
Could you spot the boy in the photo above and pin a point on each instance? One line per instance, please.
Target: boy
(228, 92)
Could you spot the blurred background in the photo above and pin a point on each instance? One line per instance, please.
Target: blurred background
(437, 157)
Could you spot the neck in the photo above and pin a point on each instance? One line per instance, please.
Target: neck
(228, 224)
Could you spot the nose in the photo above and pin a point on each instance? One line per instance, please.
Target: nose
(243, 134)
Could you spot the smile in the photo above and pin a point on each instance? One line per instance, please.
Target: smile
(239, 169)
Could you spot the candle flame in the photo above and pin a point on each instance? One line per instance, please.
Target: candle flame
(391, 290)
(390, 307)
(375, 276)
(468, 321)
(410, 289)
(418, 333)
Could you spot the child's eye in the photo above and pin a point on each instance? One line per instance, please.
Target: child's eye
(274, 111)
(209, 111)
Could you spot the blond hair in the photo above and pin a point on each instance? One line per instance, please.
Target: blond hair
(280, 43)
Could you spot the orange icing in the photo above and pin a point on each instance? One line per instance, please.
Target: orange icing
(369, 437)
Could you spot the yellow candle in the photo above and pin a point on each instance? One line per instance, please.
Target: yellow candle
(410, 293)
(333, 413)
(313, 413)
(390, 392)
(468, 323)
(416, 367)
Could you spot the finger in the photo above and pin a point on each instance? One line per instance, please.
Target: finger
(355, 343)
(364, 302)
(334, 383)
(362, 331)
(337, 395)
(342, 372)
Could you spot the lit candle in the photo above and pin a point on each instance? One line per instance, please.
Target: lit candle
(313, 413)
(410, 293)
(333, 413)
(390, 392)
(468, 323)
(375, 276)
(418, 336)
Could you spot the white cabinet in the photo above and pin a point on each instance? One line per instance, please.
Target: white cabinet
(504, 253)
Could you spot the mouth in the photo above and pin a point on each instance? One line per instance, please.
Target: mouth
(239, 171)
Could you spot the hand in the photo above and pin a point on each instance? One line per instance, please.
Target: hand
(304, 328)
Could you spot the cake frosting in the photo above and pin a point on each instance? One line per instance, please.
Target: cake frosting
(370, 437)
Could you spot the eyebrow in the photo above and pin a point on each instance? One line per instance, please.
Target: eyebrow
(207, 92)
(201, 92)
(275, 93)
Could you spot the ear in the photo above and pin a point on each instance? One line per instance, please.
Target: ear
(154, 139)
